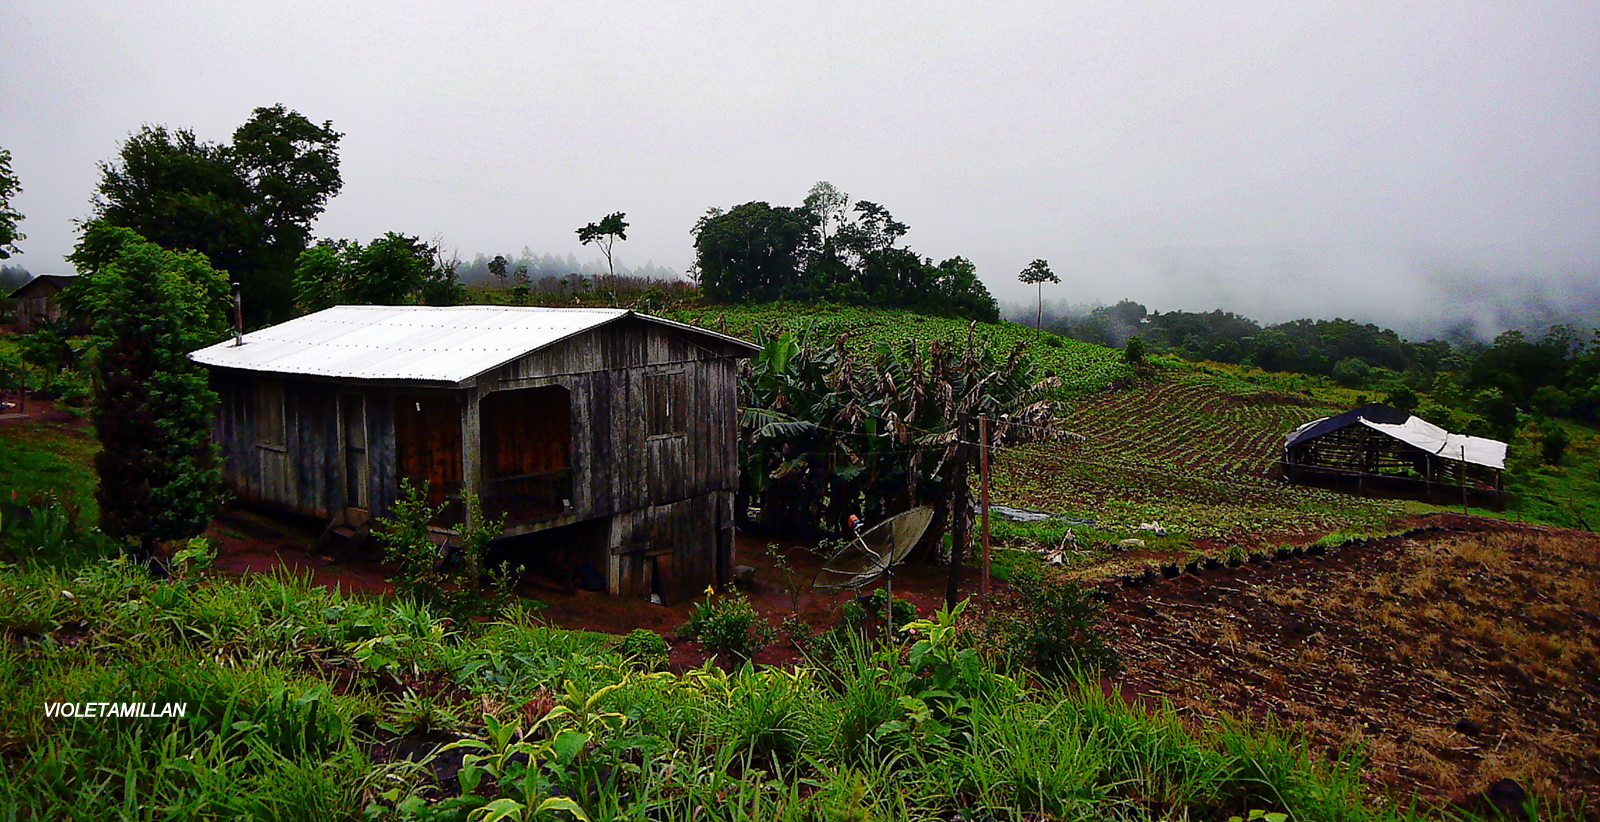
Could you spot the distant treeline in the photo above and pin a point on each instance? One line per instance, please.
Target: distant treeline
(1552, 373)
(12, 277)
(545, 272)
(827, 250)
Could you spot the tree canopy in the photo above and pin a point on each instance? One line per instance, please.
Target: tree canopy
(605, 234)
(247, 205)
(826, 251)
(9, 216)
(392, 270)
(1038, 273)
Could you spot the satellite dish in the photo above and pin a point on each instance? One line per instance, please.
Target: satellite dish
(874, 551)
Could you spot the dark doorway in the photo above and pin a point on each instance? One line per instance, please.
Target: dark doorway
(427, 440)
(527, 457)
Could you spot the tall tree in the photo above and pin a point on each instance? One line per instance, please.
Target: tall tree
(1038, 273)
(150, 307)
(248, 206)
(605, 234)
(9, 216)
(753, 252)
(498, 267)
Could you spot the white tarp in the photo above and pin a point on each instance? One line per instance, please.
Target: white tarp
(1419, 432)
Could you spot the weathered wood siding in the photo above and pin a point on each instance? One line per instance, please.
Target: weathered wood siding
(618, 464)
(288, 459)
(673, 550)
(653, 423)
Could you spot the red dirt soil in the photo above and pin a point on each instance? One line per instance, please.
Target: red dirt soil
(1455, 655)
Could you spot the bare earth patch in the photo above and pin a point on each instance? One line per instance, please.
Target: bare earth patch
(1453, 657)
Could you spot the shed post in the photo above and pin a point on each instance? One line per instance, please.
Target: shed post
(471, 454)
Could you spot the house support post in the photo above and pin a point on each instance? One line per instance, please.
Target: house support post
(471, 454)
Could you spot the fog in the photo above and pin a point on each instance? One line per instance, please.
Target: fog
(1400, 163)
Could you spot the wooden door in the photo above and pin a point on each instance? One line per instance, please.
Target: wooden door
(357, 473)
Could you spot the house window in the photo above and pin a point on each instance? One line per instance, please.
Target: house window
(269, 414)
(664, 404)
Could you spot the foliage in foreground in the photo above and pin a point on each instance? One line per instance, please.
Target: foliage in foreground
(299, 699)
(159, 471)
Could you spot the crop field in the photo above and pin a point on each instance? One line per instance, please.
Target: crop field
(1082, 368)
(1469, 685)
(1184, 453)
(1190, 446)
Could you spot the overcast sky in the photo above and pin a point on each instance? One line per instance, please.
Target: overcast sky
(1379, 159)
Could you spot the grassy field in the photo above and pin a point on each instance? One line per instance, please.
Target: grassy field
(38, 457)
(303, 703)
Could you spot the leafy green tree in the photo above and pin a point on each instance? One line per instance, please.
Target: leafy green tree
(150, 307)
(9, 216)
(498, 267)
(248, 205)
(1133, 351)
(752, 252)
(605, 234)
(392, 270)
(827, 434)
(1038, 273)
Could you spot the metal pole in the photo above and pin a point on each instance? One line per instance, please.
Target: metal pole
(1461, 476)
(983, 471)
(238, 315)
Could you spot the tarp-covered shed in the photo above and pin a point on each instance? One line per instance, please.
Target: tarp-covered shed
(1378, 447)
(619, 422)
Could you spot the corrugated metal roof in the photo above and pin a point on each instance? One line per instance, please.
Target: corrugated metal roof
(380, 342)
(1410, 429)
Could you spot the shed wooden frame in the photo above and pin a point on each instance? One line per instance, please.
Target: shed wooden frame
(629, 424)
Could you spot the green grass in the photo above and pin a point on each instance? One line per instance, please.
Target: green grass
(1565, 494)
(272, 732)
(38, 457)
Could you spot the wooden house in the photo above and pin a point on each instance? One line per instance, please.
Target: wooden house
(36, 298)
(618, 427)
(1377, 448)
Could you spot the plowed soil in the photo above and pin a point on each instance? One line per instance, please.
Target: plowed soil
(1459, 654)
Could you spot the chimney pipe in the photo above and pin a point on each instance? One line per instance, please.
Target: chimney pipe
(238, 316)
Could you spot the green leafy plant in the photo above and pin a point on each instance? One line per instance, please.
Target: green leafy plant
(728, 624)
(423, 575)
(645, 648)
(1052, 626)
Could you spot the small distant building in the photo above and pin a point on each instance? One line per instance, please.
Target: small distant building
(619, 427)
(36, 298)
(1380, 449)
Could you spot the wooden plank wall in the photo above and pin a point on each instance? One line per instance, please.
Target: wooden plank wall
(301, 471)
(617, 465)
(674, 486)
(673, 550)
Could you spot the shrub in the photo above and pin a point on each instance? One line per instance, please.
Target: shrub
(422, 576)
(646, 648)
(45, 533)
(1133, 351)
(1052, 626)
(727, 624)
